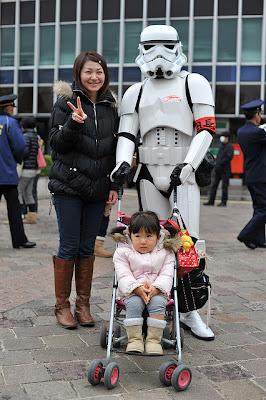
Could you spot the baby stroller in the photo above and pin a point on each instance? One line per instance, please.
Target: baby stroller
(171, 372)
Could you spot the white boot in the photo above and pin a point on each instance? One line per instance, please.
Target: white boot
(193, 321)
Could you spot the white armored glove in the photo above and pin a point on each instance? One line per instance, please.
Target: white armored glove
(180, 174)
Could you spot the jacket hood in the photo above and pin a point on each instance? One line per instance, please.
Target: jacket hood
(65, 89)
(171, 244)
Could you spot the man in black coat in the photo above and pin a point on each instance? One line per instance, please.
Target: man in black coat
(252, 140)
(222, 170)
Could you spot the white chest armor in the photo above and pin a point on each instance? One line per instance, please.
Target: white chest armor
(164, 103)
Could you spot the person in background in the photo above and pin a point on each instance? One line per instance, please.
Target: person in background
(99, 249)
(83, 129)
(252, 140)
(222, 170)
(12, 148)
(30, 167)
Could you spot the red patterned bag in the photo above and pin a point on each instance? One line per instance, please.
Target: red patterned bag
(186, 260)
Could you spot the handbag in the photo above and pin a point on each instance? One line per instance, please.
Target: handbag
(186, 261)
(193, 289)
(204, 171)
(19, 169)
(40, 159)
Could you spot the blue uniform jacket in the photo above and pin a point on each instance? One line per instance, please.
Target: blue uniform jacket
(12, 148)
(252, 141)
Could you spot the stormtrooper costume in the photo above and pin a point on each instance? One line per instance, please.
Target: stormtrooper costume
(174, 113)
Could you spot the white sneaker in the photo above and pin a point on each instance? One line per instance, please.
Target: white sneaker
(193, 321)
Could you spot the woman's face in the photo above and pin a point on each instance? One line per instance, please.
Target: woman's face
(92, 77)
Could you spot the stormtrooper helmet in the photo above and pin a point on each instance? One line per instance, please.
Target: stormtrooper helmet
(160, 52)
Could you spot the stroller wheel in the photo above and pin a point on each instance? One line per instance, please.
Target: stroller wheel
(111, 375)
(165, 372)
(117, 334)
(95, 372)
(166, 335)
(103, 337)
(181, 377)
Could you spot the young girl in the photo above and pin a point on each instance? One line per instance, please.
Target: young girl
(144, 268)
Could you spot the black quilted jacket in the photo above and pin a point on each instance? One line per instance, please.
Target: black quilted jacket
(32, 145)
(83, 154)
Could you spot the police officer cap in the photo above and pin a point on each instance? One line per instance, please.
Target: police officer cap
(253, 105)
(7, 100)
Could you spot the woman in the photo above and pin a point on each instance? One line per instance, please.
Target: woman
(30, 166)
(83, 129)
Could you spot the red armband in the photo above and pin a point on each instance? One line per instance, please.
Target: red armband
(206, 123)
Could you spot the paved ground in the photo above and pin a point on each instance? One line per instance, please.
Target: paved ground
(40, 360)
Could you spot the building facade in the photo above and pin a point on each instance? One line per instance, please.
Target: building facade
(224, 40)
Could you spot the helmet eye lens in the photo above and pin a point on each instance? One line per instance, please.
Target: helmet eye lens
(169, 46)
(148, 46)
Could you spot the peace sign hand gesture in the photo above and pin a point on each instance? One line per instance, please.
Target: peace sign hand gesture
(78, 114)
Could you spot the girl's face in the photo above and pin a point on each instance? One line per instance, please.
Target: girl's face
(92, 77)
(144, 242)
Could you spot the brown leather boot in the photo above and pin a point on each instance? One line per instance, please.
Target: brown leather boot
(83, 275)
(63, 273)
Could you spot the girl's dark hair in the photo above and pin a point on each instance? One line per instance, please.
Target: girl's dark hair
(80, 61)
(146, 220)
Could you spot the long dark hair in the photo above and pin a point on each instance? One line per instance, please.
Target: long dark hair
(90, 56)
(146, 220)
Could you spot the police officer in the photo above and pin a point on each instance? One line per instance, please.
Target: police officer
(252, 140)
(12, 147)
(222, 170)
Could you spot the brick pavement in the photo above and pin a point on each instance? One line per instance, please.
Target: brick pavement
(40, 360)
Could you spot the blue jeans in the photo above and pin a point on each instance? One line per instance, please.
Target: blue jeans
(78, 225)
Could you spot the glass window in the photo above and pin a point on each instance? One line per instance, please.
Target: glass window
(6, 77)
(227, 30)
(7, 47)
(66, 74)
(25, 76)
(27, 12)
(46, 76)
(156, 9)
(89, 37)
(182, 30)
(202, 40)
(111, 9)
(131, 74)
(203, 70)
(252, 7)
(45, 99)
(27, 45)
(68, 10)
(67, 49)
(203, 7)
(251, 39)
(250, 73)
(89, 10)
(47, 41)
(6, 90)
(228, 7)
(225, 73)
(249, 93)
(179, 8)
(25, 100)
(113, 73)
(47, 11)
(132, 38)
(111, 42)
(7, 13)
(225, 99)
(133, 9)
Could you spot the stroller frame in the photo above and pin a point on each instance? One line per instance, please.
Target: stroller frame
(171, 373)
